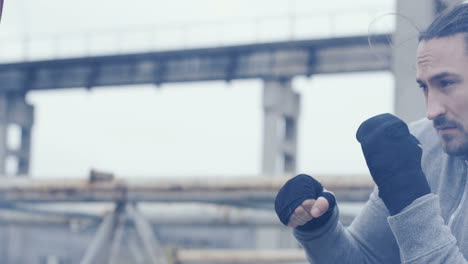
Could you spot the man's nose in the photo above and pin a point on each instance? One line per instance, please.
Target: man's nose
(434, 106)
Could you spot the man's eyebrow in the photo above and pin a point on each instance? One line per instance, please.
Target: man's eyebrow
(438, 77)
(442, 75)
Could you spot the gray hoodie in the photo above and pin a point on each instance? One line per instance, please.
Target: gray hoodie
(433, 229)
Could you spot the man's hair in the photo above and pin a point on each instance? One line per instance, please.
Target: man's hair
(450, 23)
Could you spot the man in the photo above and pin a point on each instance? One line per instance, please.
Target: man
(419, 211)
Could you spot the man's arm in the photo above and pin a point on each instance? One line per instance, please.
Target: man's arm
(393, 156)
(418, 233)
(402, 217)
(422, 234)
(367, 240)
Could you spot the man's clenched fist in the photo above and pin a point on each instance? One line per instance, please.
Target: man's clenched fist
(393, 156)
(302, 203)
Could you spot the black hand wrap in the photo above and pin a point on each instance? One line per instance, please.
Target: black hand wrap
(394, 160)
(294, 192)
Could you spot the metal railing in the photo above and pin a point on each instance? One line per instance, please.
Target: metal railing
(191, 35)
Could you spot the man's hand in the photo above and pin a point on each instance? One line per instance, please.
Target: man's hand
(308, 210)
(393, 156)
(302, 203)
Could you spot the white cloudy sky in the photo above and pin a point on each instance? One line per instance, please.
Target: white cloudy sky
(196, 129)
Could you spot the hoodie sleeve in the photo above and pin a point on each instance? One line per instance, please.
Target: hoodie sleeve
(417, 235)
(368, 239)
(423, 235)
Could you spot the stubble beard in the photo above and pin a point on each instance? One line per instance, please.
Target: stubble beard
(455, 146)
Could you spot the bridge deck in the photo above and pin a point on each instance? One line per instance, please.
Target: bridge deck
(267, 60)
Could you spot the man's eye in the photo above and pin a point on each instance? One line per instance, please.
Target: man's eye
(445, 83)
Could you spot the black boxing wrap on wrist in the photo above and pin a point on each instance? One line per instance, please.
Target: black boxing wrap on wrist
(394, 160)
(294, 192)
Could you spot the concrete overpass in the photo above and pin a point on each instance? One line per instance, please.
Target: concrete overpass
(275, 63)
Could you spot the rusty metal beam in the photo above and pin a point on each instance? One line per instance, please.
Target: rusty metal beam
(198, 256)
(245, 190)
(158, 214)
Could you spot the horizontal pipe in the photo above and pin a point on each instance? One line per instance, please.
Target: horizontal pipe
(157, 214)
(189, 256)
(209, 189)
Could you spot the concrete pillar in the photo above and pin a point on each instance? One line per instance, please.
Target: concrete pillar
(15, 110)
(3, 133)
(281, 108)
(25, 151)
(414, 15)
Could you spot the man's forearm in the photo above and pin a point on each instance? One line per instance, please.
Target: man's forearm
(330, 244)
(423, 236)
(368, 239)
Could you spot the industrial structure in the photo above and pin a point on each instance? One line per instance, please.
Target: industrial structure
(106, 220)
(27, 209)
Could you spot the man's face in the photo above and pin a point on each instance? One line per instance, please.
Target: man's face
(442, 73)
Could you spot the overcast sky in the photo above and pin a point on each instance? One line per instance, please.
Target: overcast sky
(194, 129)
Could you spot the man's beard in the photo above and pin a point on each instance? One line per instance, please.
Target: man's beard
(451, 144)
